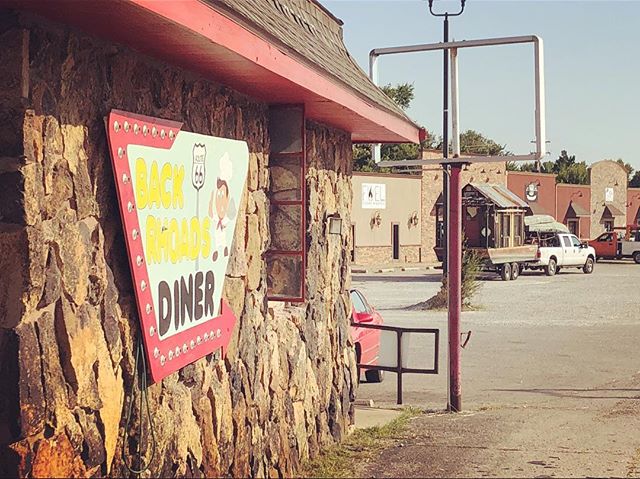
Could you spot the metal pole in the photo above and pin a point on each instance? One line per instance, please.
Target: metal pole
(455, 286)
(373, 74)
(445, 147)
(399, 367)
(455, 98)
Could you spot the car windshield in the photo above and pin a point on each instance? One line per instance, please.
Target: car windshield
(358, 303)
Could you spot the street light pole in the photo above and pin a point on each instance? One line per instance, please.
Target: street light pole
(452, 216)
(445, 128)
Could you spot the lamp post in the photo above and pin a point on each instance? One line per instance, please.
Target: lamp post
(452, 216)
(445, 126)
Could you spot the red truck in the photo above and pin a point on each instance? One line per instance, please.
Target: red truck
(618, 244)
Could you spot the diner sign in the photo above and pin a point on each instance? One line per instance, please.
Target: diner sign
(178, 194)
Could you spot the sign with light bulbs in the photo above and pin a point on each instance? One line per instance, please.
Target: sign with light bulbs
(178, 194)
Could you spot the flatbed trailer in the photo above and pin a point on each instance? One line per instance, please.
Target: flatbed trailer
(508, 262)
(494, 227)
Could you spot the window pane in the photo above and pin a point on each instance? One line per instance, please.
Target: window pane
(576, 241)
(285, 179)
(285, 129)
(284, 276)
(566, 241)
(286, 227)
(358, 305)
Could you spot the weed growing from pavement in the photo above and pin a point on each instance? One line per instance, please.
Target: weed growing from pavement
(358, 448)
(471, 268)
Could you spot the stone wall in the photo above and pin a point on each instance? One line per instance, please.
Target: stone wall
(381, 255)
(67, 310)
(607, 175)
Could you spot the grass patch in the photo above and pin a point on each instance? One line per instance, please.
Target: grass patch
(342, 460)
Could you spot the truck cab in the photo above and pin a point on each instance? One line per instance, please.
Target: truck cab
(606, 245)
(618, 244)
(565, 251)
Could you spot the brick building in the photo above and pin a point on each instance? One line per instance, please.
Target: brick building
(587, 210)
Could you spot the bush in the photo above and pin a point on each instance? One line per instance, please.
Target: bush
(471, 267)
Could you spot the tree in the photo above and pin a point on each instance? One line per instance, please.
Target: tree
(626, 166)
(635, 180)
(567, 170)
(403, 95)
(473, 142)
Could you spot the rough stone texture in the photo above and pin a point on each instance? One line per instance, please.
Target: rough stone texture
(380, 255)
(432, 189)
(67, 311)
(607, 174)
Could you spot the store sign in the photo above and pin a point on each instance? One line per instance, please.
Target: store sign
(608, 195)
(178, 194)
(374, 196)
(531, 192)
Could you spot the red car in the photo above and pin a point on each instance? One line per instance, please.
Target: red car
(366, 340)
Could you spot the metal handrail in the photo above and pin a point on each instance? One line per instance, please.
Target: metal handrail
(399, 369)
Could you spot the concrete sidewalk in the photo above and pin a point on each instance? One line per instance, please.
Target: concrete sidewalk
(370, 416)
(393, 267)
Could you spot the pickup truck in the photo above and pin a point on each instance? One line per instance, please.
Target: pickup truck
(613, 245)
(564, 251)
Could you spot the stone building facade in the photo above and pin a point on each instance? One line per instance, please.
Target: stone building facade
(586, 209)
(386, 230)
(608, 196)
(68, 320)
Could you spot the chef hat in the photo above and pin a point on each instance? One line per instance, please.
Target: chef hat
(225, 168)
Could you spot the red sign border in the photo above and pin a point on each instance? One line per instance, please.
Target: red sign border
(171, 354)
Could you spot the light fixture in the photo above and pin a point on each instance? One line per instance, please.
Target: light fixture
(334, 224)
(376, 220)
(413, 219)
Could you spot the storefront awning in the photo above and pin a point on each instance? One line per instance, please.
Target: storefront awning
(499, 195)
(536, 209)
(574, 210)
(611, 211)
(277, 51)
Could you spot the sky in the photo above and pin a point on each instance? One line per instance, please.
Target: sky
(592, 68)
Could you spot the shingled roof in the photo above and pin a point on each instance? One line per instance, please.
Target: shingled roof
(275, 51)
(307, 30)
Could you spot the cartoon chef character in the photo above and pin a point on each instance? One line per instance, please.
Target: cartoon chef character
(221, 208)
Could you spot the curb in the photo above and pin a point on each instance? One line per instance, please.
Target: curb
(364, 402)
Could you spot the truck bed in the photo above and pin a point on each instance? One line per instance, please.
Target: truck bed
(516, 254)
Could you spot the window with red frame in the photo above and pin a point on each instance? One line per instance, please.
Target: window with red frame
(286, 258)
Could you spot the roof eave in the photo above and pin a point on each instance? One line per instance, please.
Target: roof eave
(197, 37)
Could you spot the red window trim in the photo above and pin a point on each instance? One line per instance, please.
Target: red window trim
(302, 203)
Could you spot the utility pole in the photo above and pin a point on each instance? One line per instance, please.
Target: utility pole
(452, 239)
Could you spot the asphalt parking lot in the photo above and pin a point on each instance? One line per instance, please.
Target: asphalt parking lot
(551, 371)
(523, 331)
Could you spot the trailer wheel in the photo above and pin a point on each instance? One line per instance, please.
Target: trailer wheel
(505, 272)
(551, 268)
(636, 257)
(515, 271)
(588, 266)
